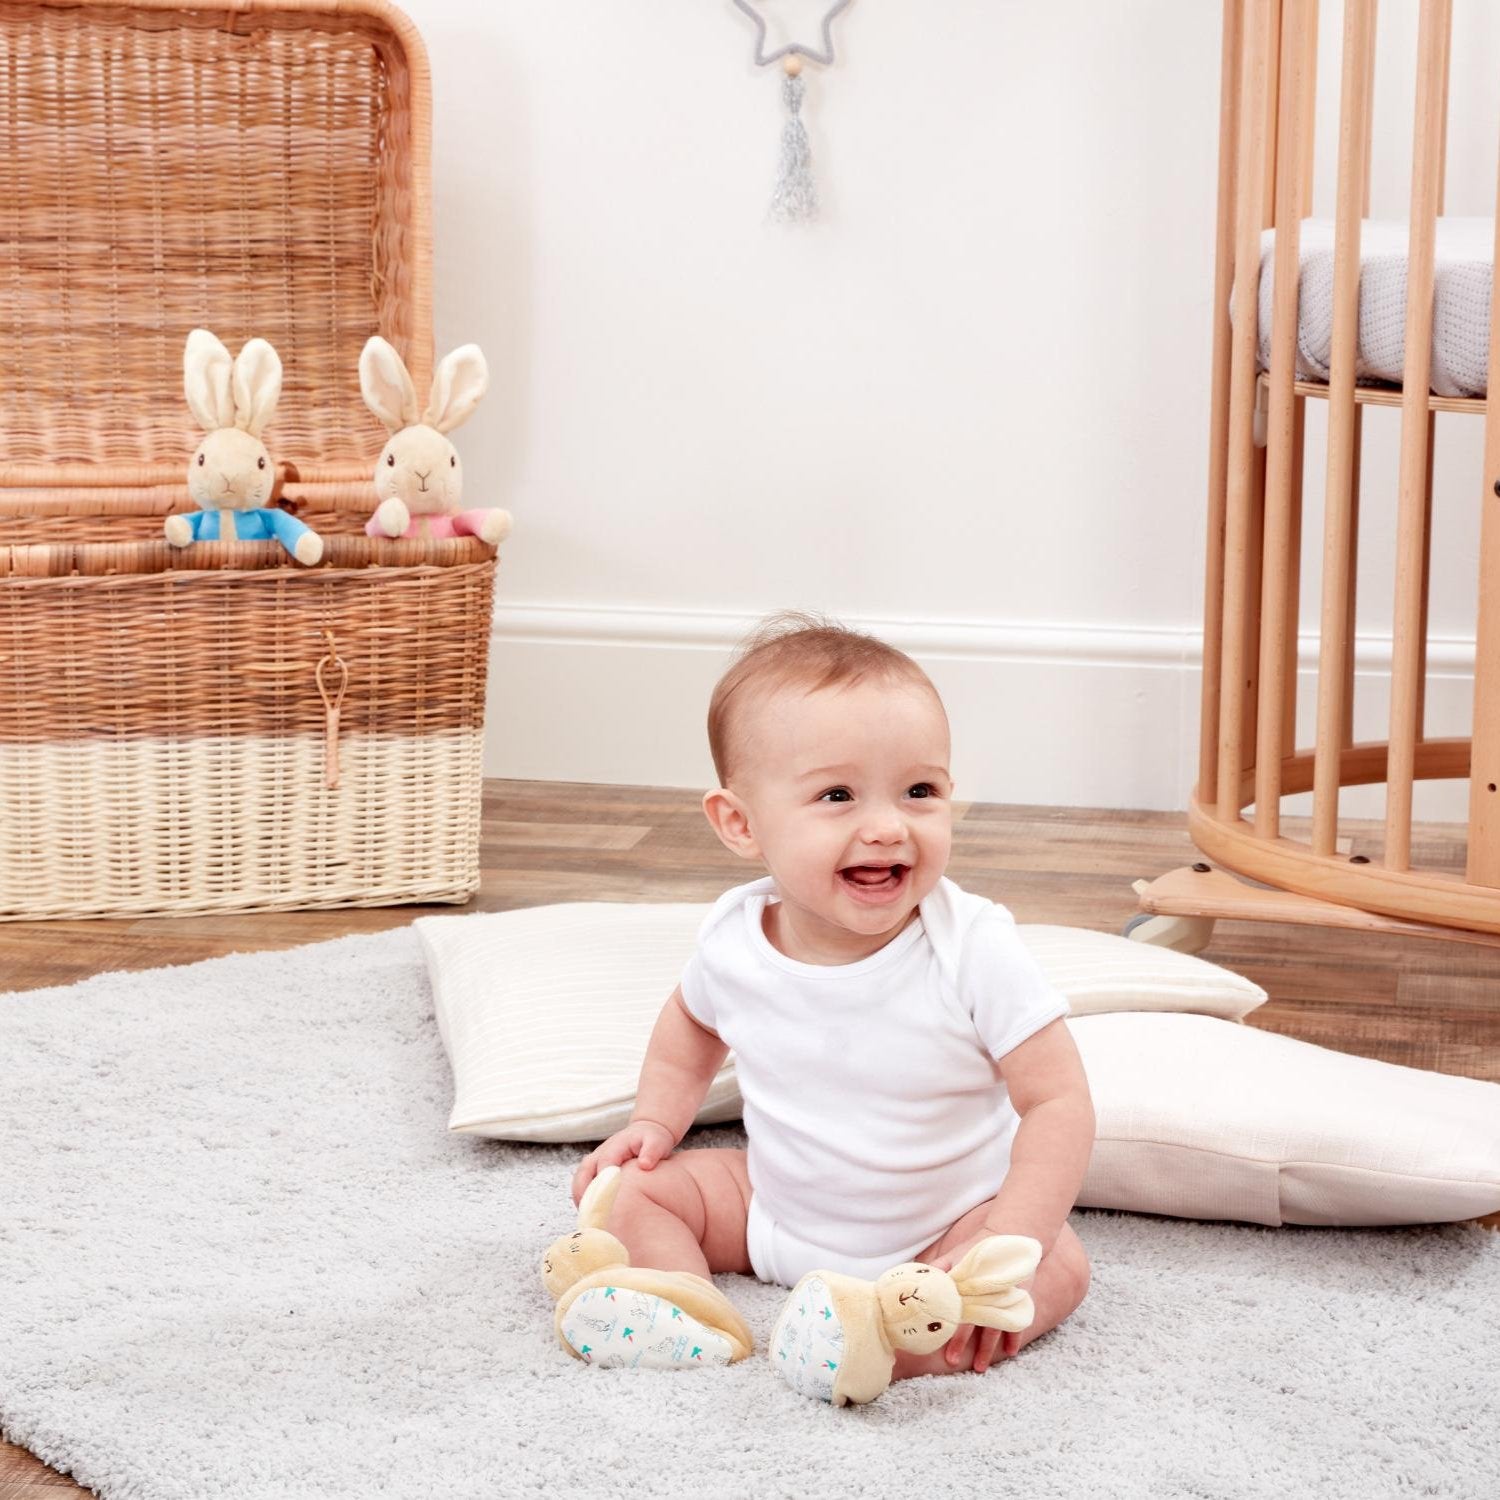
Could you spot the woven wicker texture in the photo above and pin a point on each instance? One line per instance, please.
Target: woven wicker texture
(247, 170)
(175, 827)
(165, 743)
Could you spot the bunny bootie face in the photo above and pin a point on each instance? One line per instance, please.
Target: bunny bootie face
(919, 1305)
(569, 1260)
(420, 468)
(230, 470)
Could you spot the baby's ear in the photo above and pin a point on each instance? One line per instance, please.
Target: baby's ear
(727, 817)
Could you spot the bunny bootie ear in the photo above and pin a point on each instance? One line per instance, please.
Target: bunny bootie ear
(591, 1247)
(986, 1280)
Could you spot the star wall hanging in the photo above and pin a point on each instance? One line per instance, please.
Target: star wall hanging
(795, 198)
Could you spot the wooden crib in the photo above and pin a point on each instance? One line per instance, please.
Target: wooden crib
(1249, 747)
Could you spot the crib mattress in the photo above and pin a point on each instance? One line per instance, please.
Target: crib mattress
(1463, 260)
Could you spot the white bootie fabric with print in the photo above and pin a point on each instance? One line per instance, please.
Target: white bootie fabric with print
(615, 1327)
(807, 1344)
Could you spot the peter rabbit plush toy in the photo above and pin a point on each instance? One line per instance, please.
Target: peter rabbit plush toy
(231, 473)
(417, 477)
(836, 1336)
(610, 1313)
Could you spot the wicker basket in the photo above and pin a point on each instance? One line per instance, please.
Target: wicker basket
(218, 729)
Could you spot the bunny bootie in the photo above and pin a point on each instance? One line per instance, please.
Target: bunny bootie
(612, 1314)
(836, 1337)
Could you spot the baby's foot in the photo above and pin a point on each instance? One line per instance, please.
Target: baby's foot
(613, 1327)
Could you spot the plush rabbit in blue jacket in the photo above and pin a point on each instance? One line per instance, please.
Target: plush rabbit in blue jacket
(231, 473)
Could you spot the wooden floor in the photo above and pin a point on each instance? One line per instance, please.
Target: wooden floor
(1423, 1003)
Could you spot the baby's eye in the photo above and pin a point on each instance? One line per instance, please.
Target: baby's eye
(922, 789)
(837, 794)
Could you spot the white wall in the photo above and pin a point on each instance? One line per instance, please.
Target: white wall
(968, 408)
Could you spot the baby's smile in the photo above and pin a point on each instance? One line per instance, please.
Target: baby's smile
(875, 885)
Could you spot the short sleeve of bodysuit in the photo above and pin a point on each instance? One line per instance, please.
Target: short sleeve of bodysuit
(696, 994)
(712, 951)
(1002, 986)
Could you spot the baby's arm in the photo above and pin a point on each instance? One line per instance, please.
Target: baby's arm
(681, 1060)
(1050, 1153)
(1048, 1158)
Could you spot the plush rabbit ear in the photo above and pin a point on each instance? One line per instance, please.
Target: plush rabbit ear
(598, 1198)
(386, 385)
(986, 1279)
(206, 373)
(459, 382)
(1010, 1310)
(257, 386)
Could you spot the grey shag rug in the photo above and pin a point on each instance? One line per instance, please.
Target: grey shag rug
(240, 1256)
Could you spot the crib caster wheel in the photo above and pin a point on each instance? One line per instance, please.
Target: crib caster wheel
(1180, 934)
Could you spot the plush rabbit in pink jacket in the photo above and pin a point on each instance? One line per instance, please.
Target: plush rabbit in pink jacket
(418, 478)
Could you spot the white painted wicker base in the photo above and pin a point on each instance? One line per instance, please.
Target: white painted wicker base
(152, 827)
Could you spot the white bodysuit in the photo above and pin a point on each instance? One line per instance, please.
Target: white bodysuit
(875, 1111)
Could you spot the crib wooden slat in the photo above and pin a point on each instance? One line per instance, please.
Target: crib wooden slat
(1340, 530)
(1426, 573)
(1218, 443)
(1483, 862)
(1273, 112)
(1424, 577)
(1351, 572)
(1240, 482)
(1294, 573)
(1309, 112)
(1299, 19)
(1426, 181)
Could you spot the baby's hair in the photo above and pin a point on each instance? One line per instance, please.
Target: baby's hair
(797, 648)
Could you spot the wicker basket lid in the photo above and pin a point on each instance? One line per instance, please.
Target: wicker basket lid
(258, 169)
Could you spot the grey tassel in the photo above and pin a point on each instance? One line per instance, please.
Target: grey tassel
(795, 200)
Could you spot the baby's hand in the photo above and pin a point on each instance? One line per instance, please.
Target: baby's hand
(644, 1140)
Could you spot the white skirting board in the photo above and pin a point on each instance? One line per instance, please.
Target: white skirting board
(1074, 715)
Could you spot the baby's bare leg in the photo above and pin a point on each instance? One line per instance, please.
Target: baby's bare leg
(1060, 1283)
(686, 1214)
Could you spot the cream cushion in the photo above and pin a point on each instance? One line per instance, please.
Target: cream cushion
(546, 1012)
(1206, 1120)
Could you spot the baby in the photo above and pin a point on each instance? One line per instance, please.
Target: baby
(909, 1084)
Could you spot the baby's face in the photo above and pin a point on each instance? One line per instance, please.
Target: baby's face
(848, 798)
